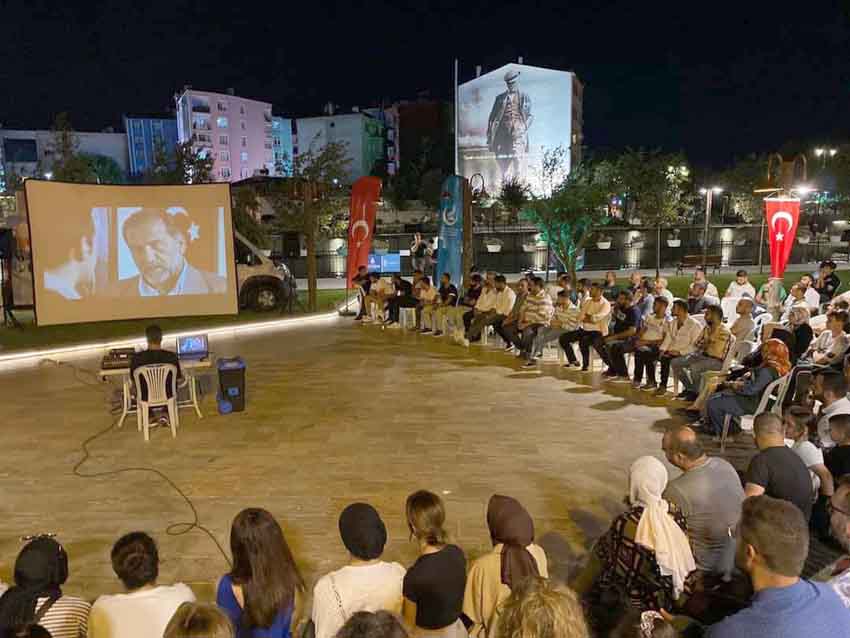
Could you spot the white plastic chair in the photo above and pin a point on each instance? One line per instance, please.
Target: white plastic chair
(776, 391)
(728, 305)
(157, 379)
(407, 318)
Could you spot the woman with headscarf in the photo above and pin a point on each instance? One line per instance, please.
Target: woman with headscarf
(742, 396)
(36, 597)
(514, 558)
(367, 583)
(645, 556)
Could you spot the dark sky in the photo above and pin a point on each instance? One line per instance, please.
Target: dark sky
(714, 79)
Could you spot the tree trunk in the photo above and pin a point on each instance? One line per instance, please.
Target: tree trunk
(312, 265)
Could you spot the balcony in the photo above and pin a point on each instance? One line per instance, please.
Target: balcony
(200, 107)
(201, 126)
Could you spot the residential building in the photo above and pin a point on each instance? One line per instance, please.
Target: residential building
(282, 146)
(235, 131)
(362, 134)
(389, 116)
(144, 134)
(30, 153)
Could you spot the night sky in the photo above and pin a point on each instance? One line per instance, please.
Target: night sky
(714, 80)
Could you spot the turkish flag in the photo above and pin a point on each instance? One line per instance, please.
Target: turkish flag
(782, 215)
(365, 193)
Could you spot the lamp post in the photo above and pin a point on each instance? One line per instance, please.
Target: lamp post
(708, 192)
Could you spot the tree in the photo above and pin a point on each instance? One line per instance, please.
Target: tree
(180, 165)
(245, 206)
(745, 176)
(513, 195)
(68, 164)
(313, 202)
(569, 209)
(104, 169)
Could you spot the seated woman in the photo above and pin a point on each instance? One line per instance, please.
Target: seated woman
(742, 396)
(645, 555)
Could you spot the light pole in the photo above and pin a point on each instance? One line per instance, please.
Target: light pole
(708, 192)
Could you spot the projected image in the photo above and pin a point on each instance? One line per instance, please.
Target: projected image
(507, 118)
(76, 266)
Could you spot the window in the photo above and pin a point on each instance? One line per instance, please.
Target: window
(222, 139)
(244, 142)
(222, 106)
(268, 145)
(225, 173)
(242, 110)
(244, 156)
(224, 156)
(221, 122)
(243, 125)
(244, 173)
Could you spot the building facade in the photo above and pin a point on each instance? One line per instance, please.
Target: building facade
(362, 134)
(282, 146)
(144, 135)
(235, 131)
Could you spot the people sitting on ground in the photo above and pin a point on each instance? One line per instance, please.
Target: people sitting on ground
(367, 583)
(708, 354)
(565, 318)
(514, 558)
(610, 289)
(434, 315)
(763, 294)
(594, 316)
(647, 345)
(697, 299)
(492, 308)
(540, 608)
(742, 328)
(736, 398)
(645, 555)
(830, 388)
(660, 289)
(837, 460)
(507, 329)
(536, 314)
(146, 607)
(153, 355)
(461, 315)
(709, 495)
(402, 298)
(263, 594)
(811, 295)
(827, 283)
(36, 597)
(777, 470)
(710, 288)
(680, 339)
(772, 544)
(796, 420)
(378, 624)
(620, 338)
(434, 585)
(740, 286)
(199, 620)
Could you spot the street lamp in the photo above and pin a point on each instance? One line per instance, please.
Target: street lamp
(708, 192)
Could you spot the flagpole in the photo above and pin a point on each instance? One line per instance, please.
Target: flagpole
(457, 164)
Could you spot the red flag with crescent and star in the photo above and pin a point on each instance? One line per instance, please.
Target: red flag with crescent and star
(782, 215)
(365, 193)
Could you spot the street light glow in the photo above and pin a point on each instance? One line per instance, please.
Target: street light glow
(833, 152)
(48, 175)
(803, 189)
(819, 152)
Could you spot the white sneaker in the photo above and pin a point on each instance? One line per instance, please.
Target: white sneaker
(465, 342)
(395, 325)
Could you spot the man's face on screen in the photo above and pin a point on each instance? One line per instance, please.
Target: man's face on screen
(159, 255)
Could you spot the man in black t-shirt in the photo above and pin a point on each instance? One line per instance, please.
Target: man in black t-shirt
(154, 354)
(403, 298)
(621, 339)
(434, 315)
(777, 470)
(837, 460)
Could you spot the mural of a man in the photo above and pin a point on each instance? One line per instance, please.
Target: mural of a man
(507, 129)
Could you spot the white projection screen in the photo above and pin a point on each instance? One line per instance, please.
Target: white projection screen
(103, 252)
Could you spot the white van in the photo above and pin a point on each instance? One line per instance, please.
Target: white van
(263, 284)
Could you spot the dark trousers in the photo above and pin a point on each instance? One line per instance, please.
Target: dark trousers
(664, 360)
(395, 304)
(617, 351)
(467, 320)
(645, 358)
(585, 339)
(525, 342)
(507, 331)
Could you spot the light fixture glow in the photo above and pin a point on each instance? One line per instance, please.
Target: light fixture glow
(48, 175)
(819, 152)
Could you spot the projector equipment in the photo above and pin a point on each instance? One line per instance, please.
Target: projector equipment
(117, 359)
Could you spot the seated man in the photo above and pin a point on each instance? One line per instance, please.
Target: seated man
(830, 388)
(743, 326)
(763, 295)
(620, 339)
(146, 607)
(154, 354)
(362, 281)
(426, 295)
(837, 460)
(772, 544)
(482, 312)
(402, 298)
(837, 575)
(502, 301)
(741, 286)
(797, 297)
(662, 290)
(507, 329)
(433, 315)
(811, 295)
(465, 306)
(828, 282)
(648, 344)
(680, 339)
(709, 494)
(594, 316)
(536, 315)
(564, 283)
(697, 301)
(777, 470)
(564, 319)
(699, 277)
(710, 351)
(380, 290)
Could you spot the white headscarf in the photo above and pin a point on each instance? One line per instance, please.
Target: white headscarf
(656, 529)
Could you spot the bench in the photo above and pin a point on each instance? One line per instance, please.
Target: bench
(692, 261)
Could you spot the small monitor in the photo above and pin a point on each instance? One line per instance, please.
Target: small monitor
(192, 346)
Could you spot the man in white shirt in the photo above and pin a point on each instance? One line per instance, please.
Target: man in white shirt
(812, 296)
(830, 388)
(492, 307)
(426, 293)
(648, 344)
(565, 319)
(680, 339)
(797, 297)
(741, 286)
(146, 608)
(710, 288)
(662, 291)
(593, 326)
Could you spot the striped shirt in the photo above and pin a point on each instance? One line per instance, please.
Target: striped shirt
(68, 617)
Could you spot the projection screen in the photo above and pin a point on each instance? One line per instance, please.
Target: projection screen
(103, 252)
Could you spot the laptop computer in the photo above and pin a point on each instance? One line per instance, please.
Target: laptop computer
(193, 347)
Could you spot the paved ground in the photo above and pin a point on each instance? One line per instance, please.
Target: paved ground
(337, 412)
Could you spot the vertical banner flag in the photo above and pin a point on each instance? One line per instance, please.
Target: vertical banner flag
(782, 215)
(451, 230)
(365, 193)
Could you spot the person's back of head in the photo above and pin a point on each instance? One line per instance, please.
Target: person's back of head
(540, 608)
(153, 335)
(769, 430)
(649, 624)
(773, 537)
(135, 560)
(362, 531)
(199, 620)
(832, 385)
(27, 631)
(41, 568)
(426, 517)
(368, 624)
(682, 446)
